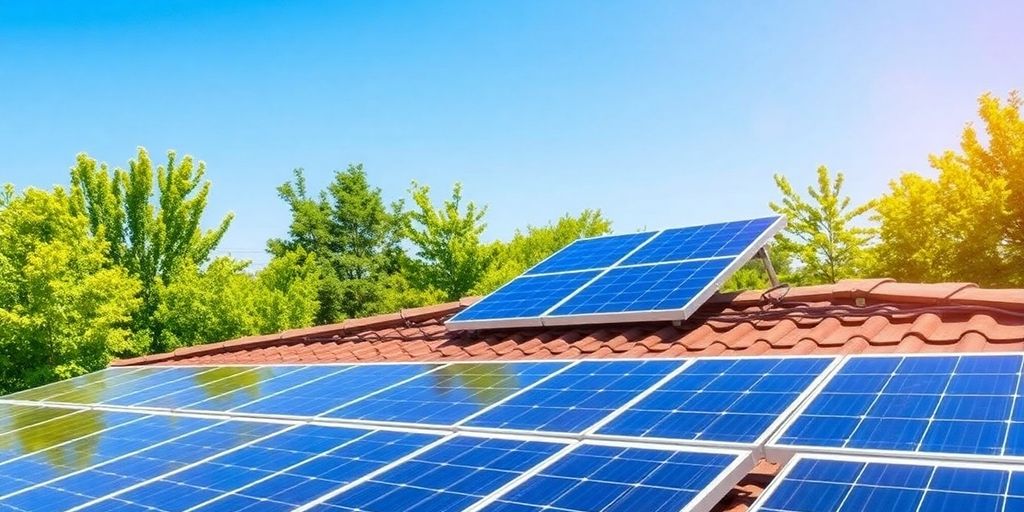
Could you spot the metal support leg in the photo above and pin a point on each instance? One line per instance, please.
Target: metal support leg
(767, 262)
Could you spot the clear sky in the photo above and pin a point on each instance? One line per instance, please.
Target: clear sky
(660, 114)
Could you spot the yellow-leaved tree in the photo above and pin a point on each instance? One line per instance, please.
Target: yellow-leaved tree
(966, 224)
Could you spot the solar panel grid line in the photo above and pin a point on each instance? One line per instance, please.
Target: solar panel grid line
(152, 403)
(72, 440)
(379, 471)
(935, 409)
(516, 482)
(779, 448)
(60, 386)
(592, 431)
(108, 461)
(280, 472)
(512, 396)
(1013, 405)
(708, 495)
(928, 485)
(602, 273)
(184, 468)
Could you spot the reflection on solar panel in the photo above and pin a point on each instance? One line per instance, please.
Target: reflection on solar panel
(925, 404)
(577, 398)
(662, 275)
(275, 472)
(335, 390)
(58, 432)
(621, 479)
(285, 378)
(126, 456)
(108, 377)
(448, 395)
(450, 476)
(727, 400)
(851, 484)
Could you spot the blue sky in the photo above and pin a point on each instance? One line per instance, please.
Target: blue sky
(660, 114)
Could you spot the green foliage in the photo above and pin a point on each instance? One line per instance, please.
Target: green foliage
(356, 239)
(968, 223)
(753, 275)
(821, 234)
(222, 301)
(63, 310)
(450, 257)
(154, 234)
(528, 247)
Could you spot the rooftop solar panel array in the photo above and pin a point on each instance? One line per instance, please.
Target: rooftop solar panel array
(927, 405)
(661, 275)
(853, 484)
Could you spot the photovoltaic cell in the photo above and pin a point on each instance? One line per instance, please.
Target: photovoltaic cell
(667, 286)
(616, 479)
(264, 388)
(448, 477)
(848, 485)
(577, 398)
(527, 296)
(277, 472)
(942, 404)
(209, 385)
(698, 242)
(591, 253)
(324, 395)
(727, 400)
(448, 395)
(143, 450)
(196, 385)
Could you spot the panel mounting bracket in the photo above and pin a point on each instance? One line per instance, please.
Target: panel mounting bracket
(766, 260)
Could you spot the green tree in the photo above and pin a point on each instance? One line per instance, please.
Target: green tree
(822, 234)
(154, 234)
(968, 223)
(450, 257)
(64, 310)
(356, 239)
(531, 245)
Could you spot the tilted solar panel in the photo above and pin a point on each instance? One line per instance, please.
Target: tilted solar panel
(721, 400)
(964, 404)
(854, 484)
(660, 275)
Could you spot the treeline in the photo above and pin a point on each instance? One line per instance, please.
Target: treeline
(116, 264)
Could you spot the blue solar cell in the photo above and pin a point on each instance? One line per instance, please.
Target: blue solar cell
(335, 390)
(611, 478)
(947, 404)
(138, 452)
(667, 286)
(194, 384)
(263, 388)
(450, 476)
(817, 484)
(212, 384)
(730, 400)
(708, 241)
(591, 253)
(577, 398)
(526, 296)
(281, 471)
(449, 394)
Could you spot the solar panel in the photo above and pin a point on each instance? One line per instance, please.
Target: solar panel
(450, 476)
(448, 395)
(335, 390)
(663, 275)
(275, 472)
(56, 429)
(214, 383)
(123, 457)
(575, 399)
(103, 385)
(108, 376)
(814, 483)
(721, 400)
(624, 478)
(924, 404)
(286, 378)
